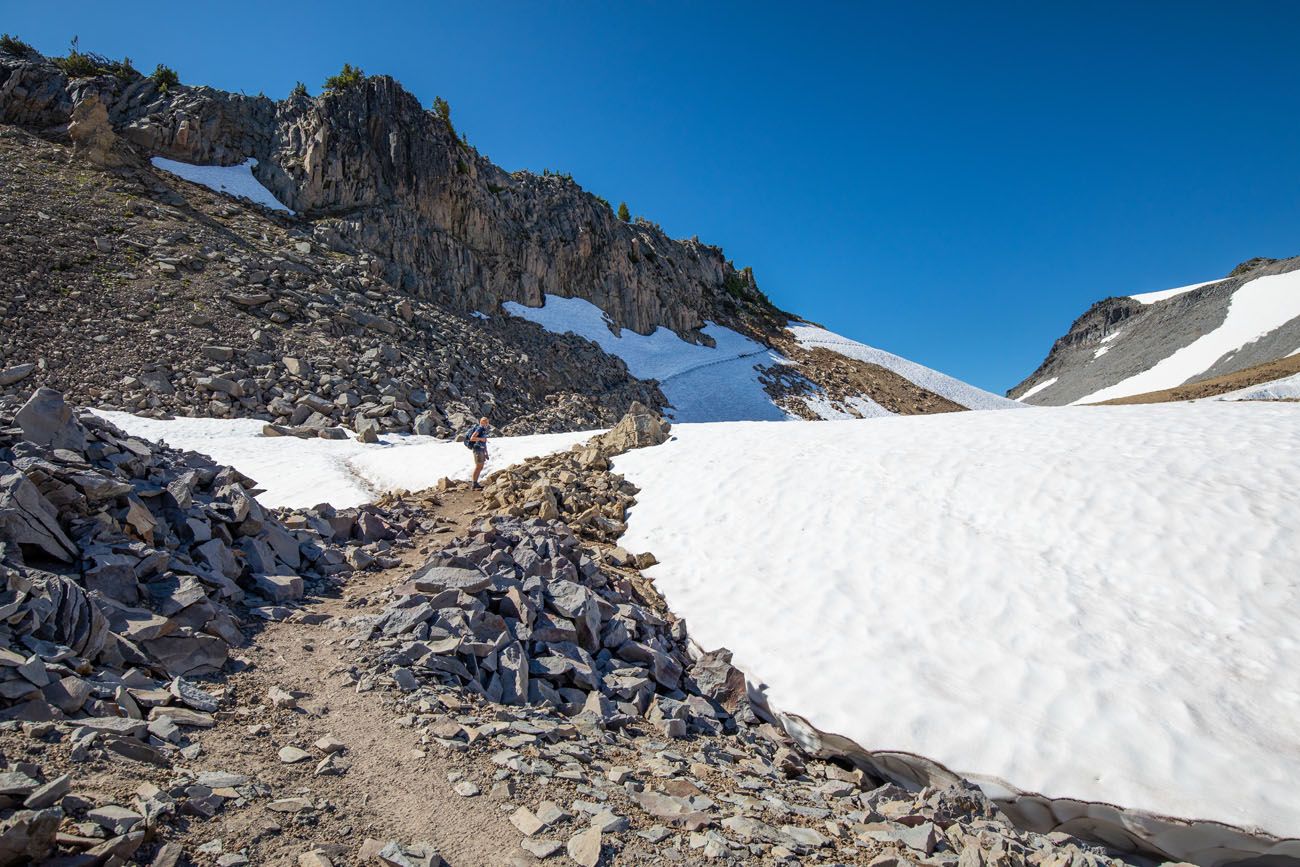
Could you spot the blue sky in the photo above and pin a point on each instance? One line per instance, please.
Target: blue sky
(951, 181)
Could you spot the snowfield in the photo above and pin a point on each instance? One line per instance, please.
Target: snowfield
(703, 383)
(1097, 603)
(811, 337)
(1084, 602)
(231, 180)
(1256, 308)
(302, 473)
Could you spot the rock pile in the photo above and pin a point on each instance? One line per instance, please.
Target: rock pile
(576, 486)
(121, 558)
(519, 613)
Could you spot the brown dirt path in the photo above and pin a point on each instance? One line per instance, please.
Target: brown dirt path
(393, 790)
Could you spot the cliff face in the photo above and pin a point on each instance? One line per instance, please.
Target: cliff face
(377, 173)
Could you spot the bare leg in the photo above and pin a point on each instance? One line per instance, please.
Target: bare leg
(479, 461)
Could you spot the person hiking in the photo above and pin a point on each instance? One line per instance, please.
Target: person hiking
(477, 440)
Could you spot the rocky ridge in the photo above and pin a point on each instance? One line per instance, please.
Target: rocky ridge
(1092, 355)
(380, 174)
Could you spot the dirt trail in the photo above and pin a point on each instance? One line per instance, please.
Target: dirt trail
(393, 789)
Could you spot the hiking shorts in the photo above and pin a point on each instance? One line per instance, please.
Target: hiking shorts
(480, 454)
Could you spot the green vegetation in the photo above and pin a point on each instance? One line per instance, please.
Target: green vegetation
(495, 189)
(165, 77)
(742, 286)
(348, 76)
(604, 201)
(623, 213)
(15, 46)
(299, 89)
(87, 64)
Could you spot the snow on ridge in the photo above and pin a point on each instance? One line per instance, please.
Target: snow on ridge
(1033, 390)
(965, 394)
(1119, 631)
(1258, 307)
(230, 180)
(703, 383)
(1161, 295)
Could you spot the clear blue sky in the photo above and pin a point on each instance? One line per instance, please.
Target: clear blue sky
(952, 181)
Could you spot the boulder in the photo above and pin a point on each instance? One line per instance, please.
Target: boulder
(47, 421)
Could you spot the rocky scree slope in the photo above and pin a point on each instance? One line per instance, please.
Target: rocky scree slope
(1119, 337)
(127, 571)
(133, 290)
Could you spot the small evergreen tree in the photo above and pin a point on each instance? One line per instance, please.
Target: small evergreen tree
(165, 77)
(348, 76)
(442, 109)
(623, 213)
(299, 89)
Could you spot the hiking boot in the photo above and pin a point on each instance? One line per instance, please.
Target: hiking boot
(475, 486)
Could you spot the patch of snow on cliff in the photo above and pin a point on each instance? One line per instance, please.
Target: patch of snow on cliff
(1097, 603)
(811, 337)
(1153, 297)
(1256, 308)
(1035, 389)
(302, 473)
(231, 180)
(703, 383)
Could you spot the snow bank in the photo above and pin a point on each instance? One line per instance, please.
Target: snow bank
(1153, 297)
(417, 466)
(811, 336)
(703, 383)
(231, 180)
(1094, 603)
(1286, 388)
(1256, 308)
(300, 473)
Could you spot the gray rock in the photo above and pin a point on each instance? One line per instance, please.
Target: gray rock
(46, 420)
(584, 848)
(17, 373)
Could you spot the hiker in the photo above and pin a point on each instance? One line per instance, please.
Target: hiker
(477, 439)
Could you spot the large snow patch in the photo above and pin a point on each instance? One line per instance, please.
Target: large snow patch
(1256, 308)
(1098, 603)
(1163, 294)
(302, 473)
(703, 383)
(811, 337)
(231, 180)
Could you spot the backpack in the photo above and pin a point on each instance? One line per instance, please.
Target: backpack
(470, 444)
